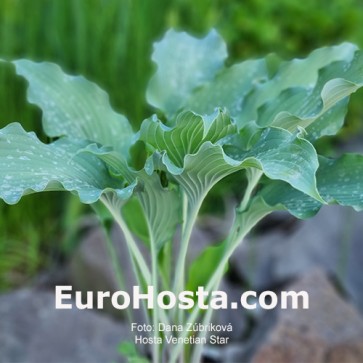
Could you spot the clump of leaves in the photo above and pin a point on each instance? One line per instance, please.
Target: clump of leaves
(262, 116)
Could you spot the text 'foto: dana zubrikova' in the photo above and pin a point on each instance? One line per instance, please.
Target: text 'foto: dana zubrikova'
(261, 116)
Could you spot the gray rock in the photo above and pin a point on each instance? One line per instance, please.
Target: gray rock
(331, 330)
(33, 331)
(331, 241)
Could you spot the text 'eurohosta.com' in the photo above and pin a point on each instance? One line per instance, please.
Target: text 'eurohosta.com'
(66, 298)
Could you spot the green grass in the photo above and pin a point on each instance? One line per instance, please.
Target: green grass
(110, 42)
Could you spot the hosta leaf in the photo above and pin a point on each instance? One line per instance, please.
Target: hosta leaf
(202, 161)
(192, 134)
(160, 204)
(281, 195)
(28, 166)
(339, 182)
(137, 225)
(73, 106)
(245, 87)
(279, 156)
(328, 123)
(188, 134)
(298, 73)
(116, 163)
(183, 63)
(229, 88)
(285, 156)
(321, 110)
(201, 171)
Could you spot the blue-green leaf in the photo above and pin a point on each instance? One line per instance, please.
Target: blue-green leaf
(284, 156)
(320, 110)
(198, 158)
(282, 196)
(160, 205)
(73, 106)
(183, 63)
(339, 182)
(298, 73)
(248, 90)
(189, 133)
(28, 166)
(229, 88)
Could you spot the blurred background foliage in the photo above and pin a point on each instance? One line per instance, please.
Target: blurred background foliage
(110, 43)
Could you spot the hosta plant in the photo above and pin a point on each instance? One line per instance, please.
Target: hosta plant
(261, 116)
